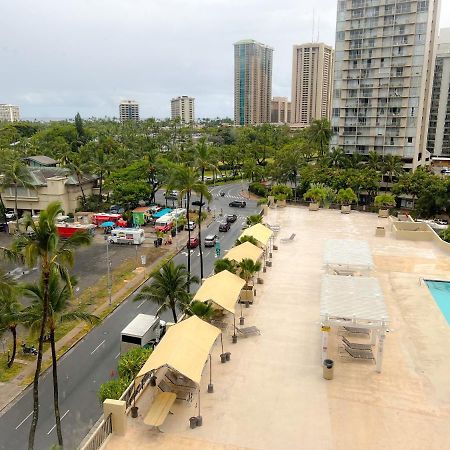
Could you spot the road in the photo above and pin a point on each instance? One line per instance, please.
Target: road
(92, 361)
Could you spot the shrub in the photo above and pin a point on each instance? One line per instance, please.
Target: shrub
(445, 235)
(112, 389)
(258, 189)
(346, 196)
(282, 189)
(254, 219)
(262, 201)
(384, 200)
(131, 362)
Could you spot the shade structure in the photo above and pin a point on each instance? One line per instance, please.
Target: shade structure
(107, 224)
(260, 232)
(184, 348)
(348, 253)
(223, 289)
(244, 251)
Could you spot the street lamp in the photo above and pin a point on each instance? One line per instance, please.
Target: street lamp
(108, 265)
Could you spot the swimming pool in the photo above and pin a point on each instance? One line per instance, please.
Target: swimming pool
(440, 290)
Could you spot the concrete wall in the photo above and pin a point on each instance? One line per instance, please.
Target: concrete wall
(412, 231)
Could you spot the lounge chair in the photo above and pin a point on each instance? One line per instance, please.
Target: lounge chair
(247, 331)
(289, 239)
(356, 330)
(275, 228)
(359, 354)
(356, 346)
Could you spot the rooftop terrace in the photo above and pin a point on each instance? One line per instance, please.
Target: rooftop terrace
(272, 394)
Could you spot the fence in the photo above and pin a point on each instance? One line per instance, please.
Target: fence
(132, 392)
(100, 435)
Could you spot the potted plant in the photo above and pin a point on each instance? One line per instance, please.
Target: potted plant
(315, 194)
(281, 200)
(247, 268)
(345, 197)
(384, 202)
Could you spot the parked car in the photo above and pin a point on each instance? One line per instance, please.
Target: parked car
(193, 242)
(224, 226)
(116, 209)
(231, 218)
(237, 204)
(10, 215)
(210, 240)
(172, 195)
(190, 226)
(197, 203)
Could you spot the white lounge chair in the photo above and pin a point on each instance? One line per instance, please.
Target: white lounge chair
(289, 239)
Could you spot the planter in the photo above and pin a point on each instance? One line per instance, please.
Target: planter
(269, 263)
(314, 206)
(275, 247)
(241, 320)
(384, 213)
(281, 203)
(223, 358)
(260, 281)
(345, 209)
(380, 232)
(234, 339)
(134, 412)
(246, 296)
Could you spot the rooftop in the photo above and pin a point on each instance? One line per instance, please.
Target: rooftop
(272, 394)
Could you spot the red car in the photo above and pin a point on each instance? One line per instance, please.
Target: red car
(192, 243)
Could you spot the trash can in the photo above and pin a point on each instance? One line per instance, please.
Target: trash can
(193, 422)
(328, 369)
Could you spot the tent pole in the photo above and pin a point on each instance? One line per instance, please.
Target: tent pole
(210, 385)
(221, 341)
(382, 335)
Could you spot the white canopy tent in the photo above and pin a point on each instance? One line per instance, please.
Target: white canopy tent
(347, 255)
(353, 302)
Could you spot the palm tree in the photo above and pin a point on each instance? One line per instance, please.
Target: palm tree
(337, 158)
(185, 179)
(319, 133)
(58, 302)
(42, 246)
(374, 161)
(10, 310)
(247, 268)
(200, 309)
(203, 161)
(243, 239)
(169, 289)
(224, 264)
(254, 219)
(393, 166)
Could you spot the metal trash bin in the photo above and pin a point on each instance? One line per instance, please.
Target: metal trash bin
(193, 422)
(328, 369)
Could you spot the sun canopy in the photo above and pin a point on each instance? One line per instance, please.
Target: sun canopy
(348, 253)
(260, 232)
(223, 289)
(184, 348)
(357, 299)
(244, 251)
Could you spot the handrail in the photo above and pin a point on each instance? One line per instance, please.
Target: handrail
(100, 435)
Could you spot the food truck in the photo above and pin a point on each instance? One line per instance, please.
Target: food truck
(99, 218)
(144, 330)
(66, 230)
(130, 236)
(164, 223)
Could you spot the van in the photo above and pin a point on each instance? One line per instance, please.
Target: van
(127, 236)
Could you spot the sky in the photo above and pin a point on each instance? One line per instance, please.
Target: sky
(60, 57)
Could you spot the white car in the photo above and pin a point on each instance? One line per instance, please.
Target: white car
(190, 226)
(10, 215)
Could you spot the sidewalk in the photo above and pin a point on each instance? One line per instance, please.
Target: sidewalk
(10, 390)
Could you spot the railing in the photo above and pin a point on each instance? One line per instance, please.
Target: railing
(132, 391)
(100, 435)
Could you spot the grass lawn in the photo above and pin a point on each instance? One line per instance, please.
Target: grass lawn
(8, 374)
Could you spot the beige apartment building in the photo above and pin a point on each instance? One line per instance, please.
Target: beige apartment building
(252, 82)
(439, 127)
(183, 107)
(280, 110)
(129, 110)
(312, 82)
(9, 113)
(384, 65)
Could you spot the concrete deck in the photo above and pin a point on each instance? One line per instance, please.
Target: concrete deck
(272, 394)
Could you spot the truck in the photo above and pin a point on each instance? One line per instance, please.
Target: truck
(66, 230)
(164, 223)
(143, 331)
(98, 219)
(127, 236)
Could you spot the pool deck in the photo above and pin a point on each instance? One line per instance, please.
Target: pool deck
(272, 394)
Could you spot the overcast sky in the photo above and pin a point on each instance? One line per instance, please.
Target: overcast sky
(60, 57)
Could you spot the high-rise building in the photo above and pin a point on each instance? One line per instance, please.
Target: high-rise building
(439, 126)
(9, 113)
(312, 81)
(383, 71)
(252, 82)
(183, 108)
(129, 110)
(280, 110)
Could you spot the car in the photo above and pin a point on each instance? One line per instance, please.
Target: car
(237, 204)
(197, 203)
(172, 195)
(231, 218)
(190, 225)
(116, 209)
(193, 242)
(224, 226)
(10, 215)
(210, 240)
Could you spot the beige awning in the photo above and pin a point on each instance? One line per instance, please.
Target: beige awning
(260, 232)
(223, 289)
(184, 348)
(244, 251)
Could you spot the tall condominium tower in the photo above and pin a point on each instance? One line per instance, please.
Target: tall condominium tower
(312, 75)
(129, 110)
(439, 127)
(383, 73)
(183, 107)
(280, 110)
(252, 82)
(9, 113)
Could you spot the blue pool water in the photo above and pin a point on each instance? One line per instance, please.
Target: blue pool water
(440, 290)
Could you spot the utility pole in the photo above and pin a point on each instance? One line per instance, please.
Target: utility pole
(108, 265)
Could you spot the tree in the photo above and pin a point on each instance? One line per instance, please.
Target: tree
(254, 219)
(169, 289)
(337, 158)
(393, 166)
(243, 239)
(412, 183)
(59, 312)
(384, 201)
(10, 310)
(81, 136)
(42, 247)
(315, 193)
(224, 264)
(319, 134)
(185, 179)
(346, 196)
(247, 268)
(204, 310)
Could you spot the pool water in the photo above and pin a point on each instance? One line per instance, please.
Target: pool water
(440, 290)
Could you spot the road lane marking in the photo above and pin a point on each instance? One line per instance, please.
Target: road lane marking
(98, 346)
(54, 426)
(23, 421)
(140, 304)
(207, 254)
(118, 354)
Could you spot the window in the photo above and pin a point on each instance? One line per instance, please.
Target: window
(341, 5)
(410, 139)
(340, 35)
(336, 112)
(422, 6)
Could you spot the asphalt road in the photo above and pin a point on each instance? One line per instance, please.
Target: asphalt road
(92, 361)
